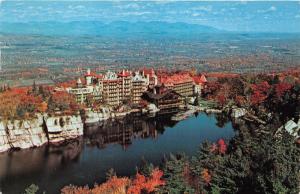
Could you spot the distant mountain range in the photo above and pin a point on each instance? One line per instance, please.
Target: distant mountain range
(118, 28)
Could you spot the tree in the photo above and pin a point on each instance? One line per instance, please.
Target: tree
(62, 101)
(32, 189)
(206, 176)
(281, 89)
(110, 173)
(260, 92)
(176, 180)
(147, 184)
(222, 146)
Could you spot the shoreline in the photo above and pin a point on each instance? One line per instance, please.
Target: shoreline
(59, 128)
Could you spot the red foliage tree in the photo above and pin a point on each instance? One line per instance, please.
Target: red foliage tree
(222, 146)
(211, 89)
(282, 88)
(260, 92)
(221, 99)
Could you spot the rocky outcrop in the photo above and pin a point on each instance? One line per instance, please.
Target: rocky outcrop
(4, 143)
(211, 110)
(24, 133)
(97, 116)
(292, 128)
(61, 128)
(238, 112)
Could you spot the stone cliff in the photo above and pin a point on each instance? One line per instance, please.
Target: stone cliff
(4, 143)
(22, 134)
(62, 128)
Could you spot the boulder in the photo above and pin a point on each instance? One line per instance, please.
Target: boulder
(292, 128)
(238, 112)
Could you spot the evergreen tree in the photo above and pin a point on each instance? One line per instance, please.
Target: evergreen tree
(176, 182)
(32, 189)
(110, 173)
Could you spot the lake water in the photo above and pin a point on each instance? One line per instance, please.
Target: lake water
(120, 145)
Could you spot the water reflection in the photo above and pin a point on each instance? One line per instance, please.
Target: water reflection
(124, 131)
(116, 144)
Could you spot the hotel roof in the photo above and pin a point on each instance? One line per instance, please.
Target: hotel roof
(200, 79)
(124, 73)
(174, 79)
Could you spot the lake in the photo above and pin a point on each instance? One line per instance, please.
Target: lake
(120, 145)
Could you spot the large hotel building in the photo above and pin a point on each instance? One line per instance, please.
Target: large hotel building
(183, 83)
(128, 87)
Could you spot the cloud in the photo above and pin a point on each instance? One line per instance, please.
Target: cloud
(136, 13)
(76, 7)
(129, 6)
(270, 9)
(162, 2)
(203, 8)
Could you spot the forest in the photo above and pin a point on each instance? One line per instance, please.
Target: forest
(26, 102)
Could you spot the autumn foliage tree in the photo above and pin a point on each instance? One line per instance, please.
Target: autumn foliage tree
(260, 92)
(206, 176)
(62, 101)
(19, 103)
(24, 103)
(9, 104)
(115, 185)
(282, 88)
(142, 184)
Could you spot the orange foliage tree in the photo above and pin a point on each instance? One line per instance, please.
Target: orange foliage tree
(124, 185)
(114, 185)
(141, 183)
(206, 176)
(9, 104)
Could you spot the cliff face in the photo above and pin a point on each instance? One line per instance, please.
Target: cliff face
(62, 128)
(32, 133)
(22, 134)
(26, 133)
(4, 143)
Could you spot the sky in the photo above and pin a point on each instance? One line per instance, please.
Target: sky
(247, 16)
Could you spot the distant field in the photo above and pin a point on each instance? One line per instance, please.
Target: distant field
(206, 52)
